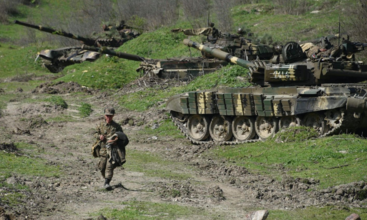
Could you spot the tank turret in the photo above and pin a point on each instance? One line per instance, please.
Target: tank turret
(235, 44)
(298, 72)
(321, 92)
(174, 68)
(56, 59)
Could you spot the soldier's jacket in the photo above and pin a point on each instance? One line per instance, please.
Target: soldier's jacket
(107, 130)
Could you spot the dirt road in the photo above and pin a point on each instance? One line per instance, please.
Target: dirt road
(159, 169)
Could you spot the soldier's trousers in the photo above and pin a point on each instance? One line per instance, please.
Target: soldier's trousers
(106, 167)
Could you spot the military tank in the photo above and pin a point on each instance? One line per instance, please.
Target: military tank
(180, 69)
(234, 44)
(56, 60)
(324, 93)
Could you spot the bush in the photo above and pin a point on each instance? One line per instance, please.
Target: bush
(58, 101)
(8, 7)
(291, 7)
(295, 134)
(85, 109)
(356, 22)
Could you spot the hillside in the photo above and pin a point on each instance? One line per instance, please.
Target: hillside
(47, 119)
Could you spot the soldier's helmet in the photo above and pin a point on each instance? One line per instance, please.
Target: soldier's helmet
(120, 25)
(241, 31)
(278, 48)
(109, 111)
(211, 24)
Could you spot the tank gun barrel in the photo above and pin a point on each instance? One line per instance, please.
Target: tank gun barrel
(320, 39)
(221, 55)
(87, 41)
(104, 50)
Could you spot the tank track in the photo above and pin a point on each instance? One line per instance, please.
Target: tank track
(183, 129)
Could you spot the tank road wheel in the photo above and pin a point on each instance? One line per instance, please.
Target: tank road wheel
(334, 118)
(315, 120)
(289, 121)
(198, 127)
(220, 128)
(243, 128)
(266, 127)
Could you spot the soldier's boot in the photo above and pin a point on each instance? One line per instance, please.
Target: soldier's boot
(107, 184)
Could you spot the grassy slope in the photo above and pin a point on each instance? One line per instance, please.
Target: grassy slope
(284, 28)
(333, 160)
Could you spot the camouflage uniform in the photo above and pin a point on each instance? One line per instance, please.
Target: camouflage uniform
(107, 130)
(324, 50)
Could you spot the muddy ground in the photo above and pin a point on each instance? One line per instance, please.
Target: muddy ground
(216, 186)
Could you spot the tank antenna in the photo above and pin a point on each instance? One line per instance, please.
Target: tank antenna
(339, 26)
(208, 17)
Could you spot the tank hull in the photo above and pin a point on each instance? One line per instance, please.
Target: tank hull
(56, 60)
(181, 69)
(232, 116)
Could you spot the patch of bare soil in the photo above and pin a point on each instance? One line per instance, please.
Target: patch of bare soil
(8, 147)
(216, 186)
(61, 88)
(29, 77)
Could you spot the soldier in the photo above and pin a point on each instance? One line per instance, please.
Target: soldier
(105, 130)
(214, 35)
(324, 50)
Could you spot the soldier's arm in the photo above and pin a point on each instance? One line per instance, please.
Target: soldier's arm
(97, 133)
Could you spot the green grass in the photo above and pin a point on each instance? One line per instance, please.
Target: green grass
(323, 213)
(61, 118)
(104, 73)
(153, 165)
(12, 198)
(282, 27)
(22, 165)
(38, 14)
(166, 129)
(5, 98)
(333, 160)
(139, 210)
(18, 61)
(26, 86)
(85, 110)
(57, 101)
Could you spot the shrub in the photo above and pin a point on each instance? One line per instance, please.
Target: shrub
(8, 7)
(85, 109)
(58, 101)
(294, 134)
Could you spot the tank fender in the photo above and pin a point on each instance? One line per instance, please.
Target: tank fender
(46, 54)
(321, 103)
(174, 103)
(90, 55)
(356, 104)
